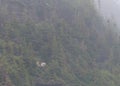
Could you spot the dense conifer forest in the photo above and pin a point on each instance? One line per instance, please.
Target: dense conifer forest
(77, 47)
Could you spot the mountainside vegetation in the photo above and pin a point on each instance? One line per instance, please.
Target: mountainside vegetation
(77, 45)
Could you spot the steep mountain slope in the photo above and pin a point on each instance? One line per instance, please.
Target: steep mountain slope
(78, 47)
(109, 9)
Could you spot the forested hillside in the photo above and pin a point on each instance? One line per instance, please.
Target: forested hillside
(78, 47)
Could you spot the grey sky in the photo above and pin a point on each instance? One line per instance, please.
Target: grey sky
(109, 9)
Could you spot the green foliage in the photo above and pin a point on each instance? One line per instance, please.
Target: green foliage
(79, 48)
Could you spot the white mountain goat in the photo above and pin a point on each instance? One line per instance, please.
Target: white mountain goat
(40, 64)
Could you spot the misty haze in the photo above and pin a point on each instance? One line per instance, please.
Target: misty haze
(59, 43)
(110, 9)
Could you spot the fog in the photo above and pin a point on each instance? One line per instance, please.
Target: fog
(110, 9)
